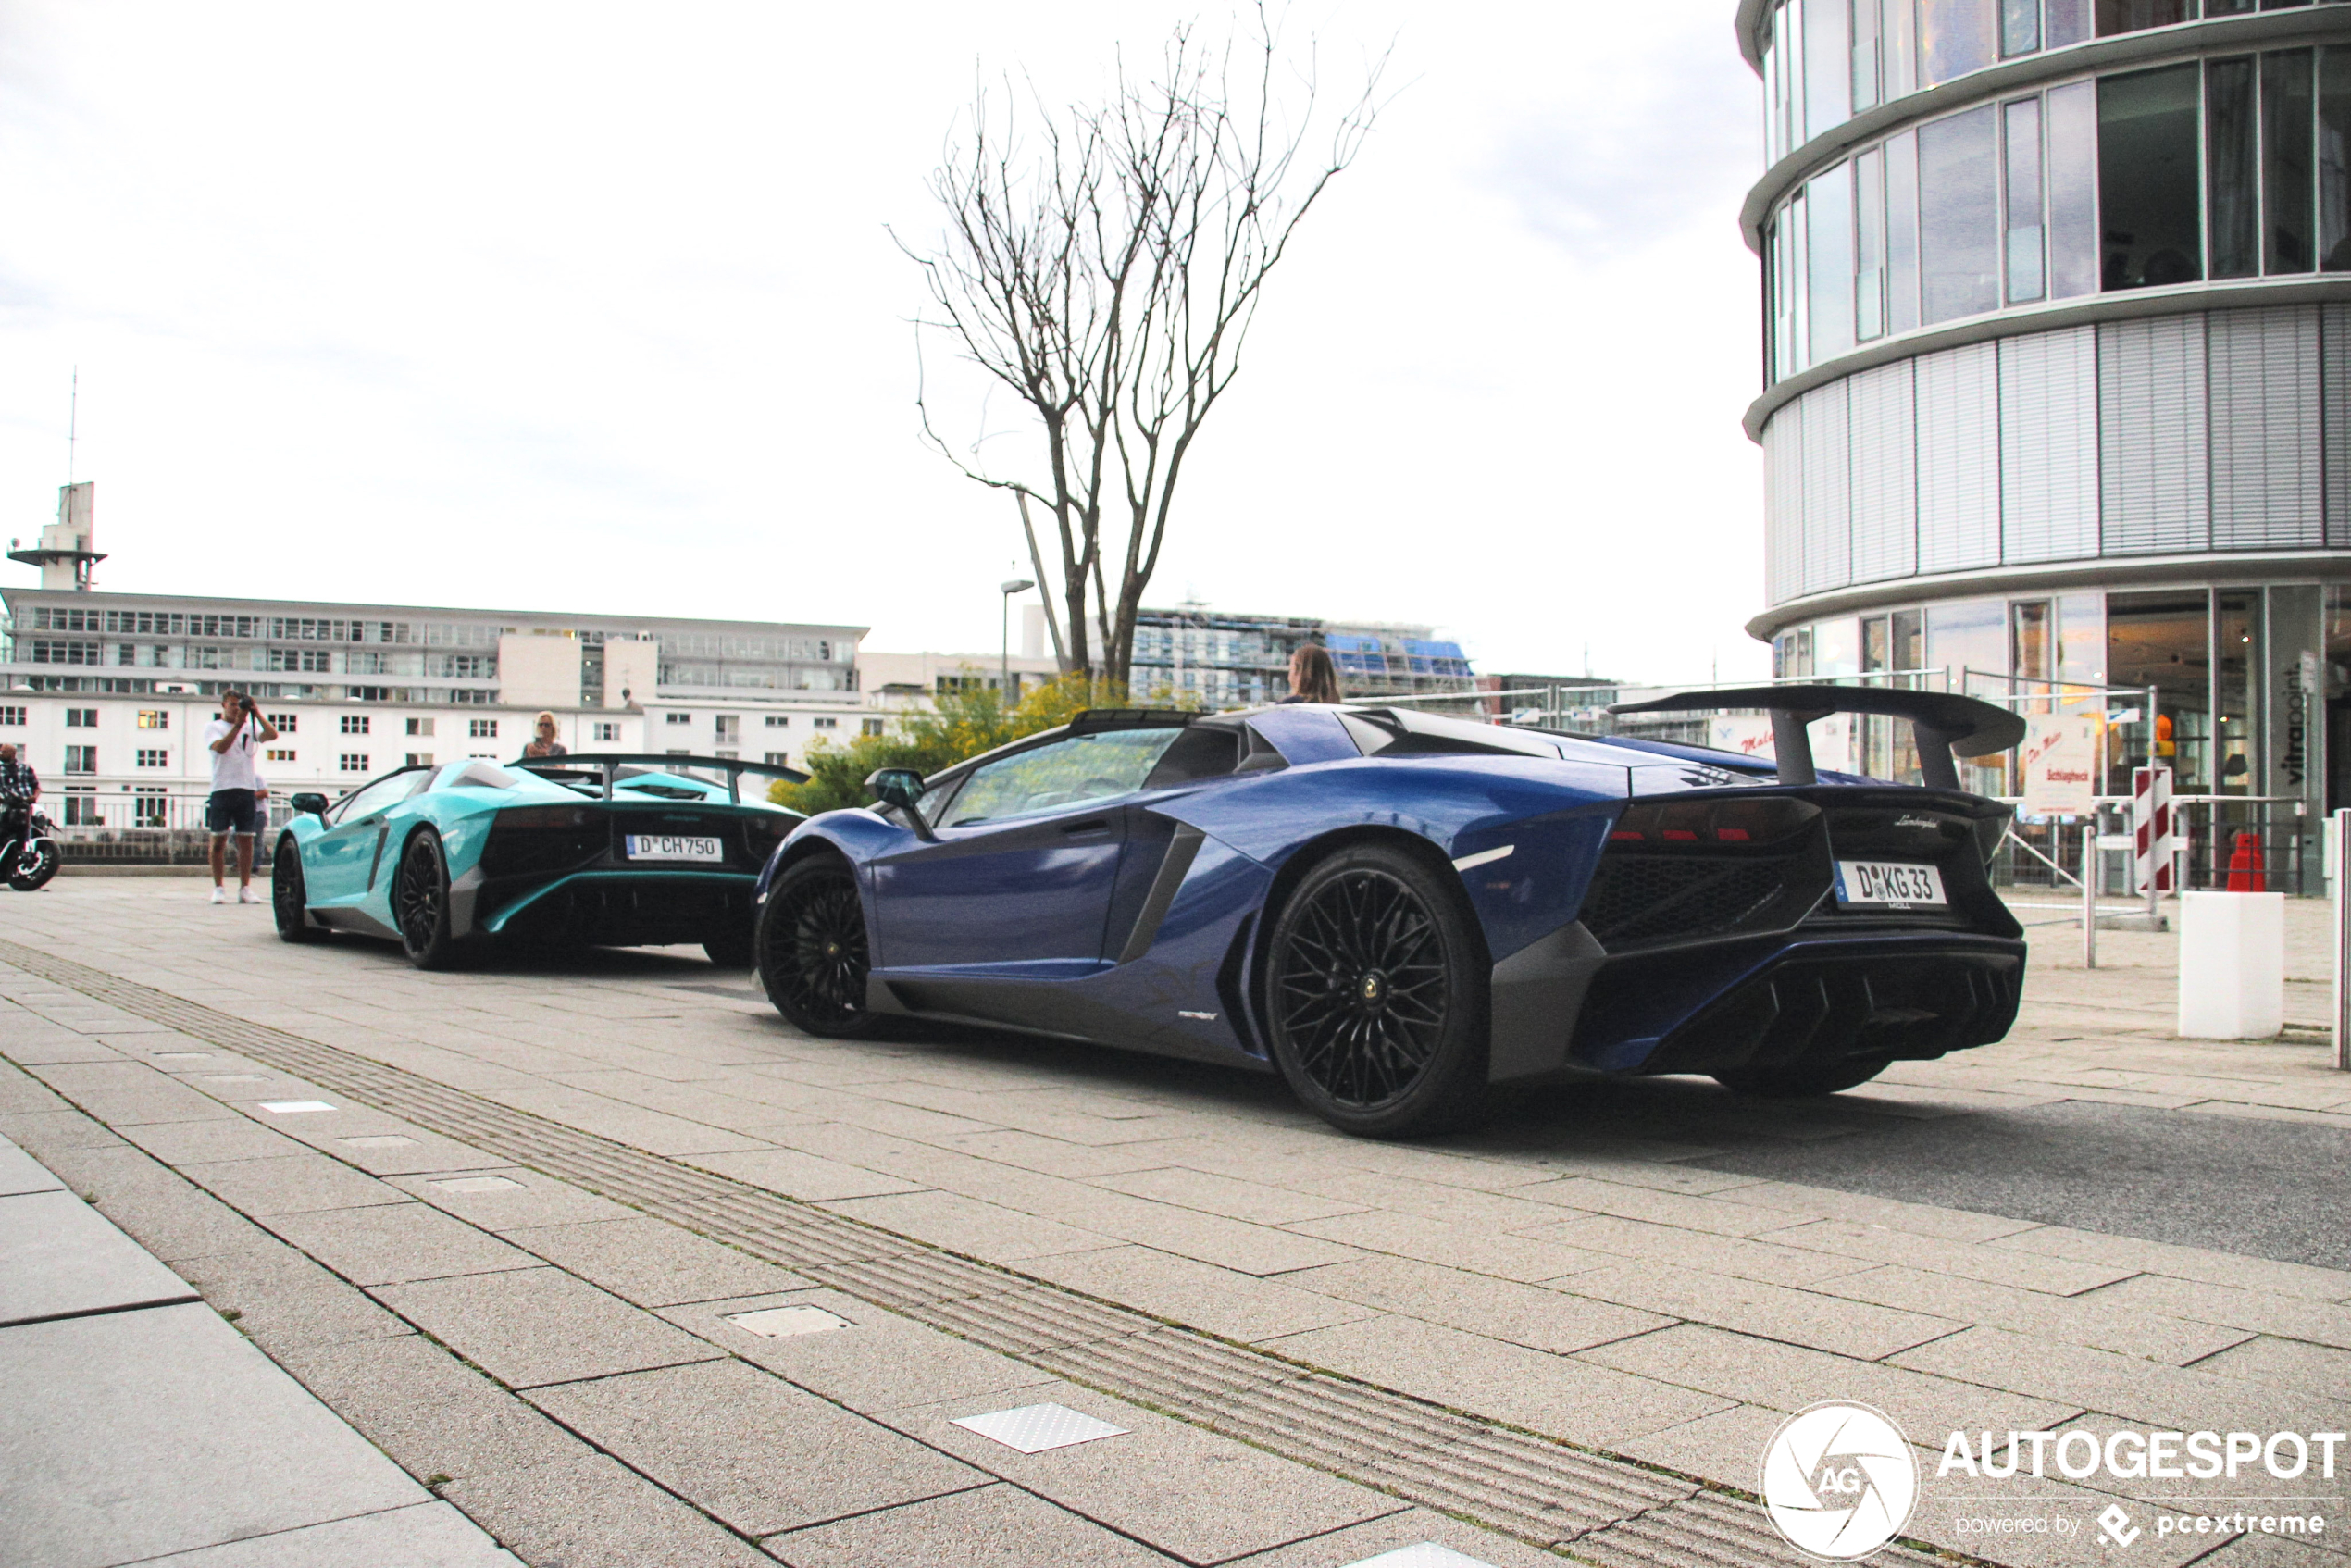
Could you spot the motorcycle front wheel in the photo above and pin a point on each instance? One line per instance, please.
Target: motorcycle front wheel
(36, 863)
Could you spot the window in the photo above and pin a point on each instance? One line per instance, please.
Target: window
(2137, 16)
(2022, 204)
(419, 759)
(279, 755)
(12, 716)
(154, 756)
(284, 724)
(420, 727)
(777, 759)
(870, 726)
(1960, 214)
(353, 762)
(1828, 205)
(82, 809)
(779, 721)
(82, 759)
(1902, 232)
(374, 797)
(1954, 37)
(1828, 78)
(481, 728)
(677, 718)
(729, 726)
(824, 723)
(678, 751)
(2147, 181)
(2229, 154)
(2289, 242)
(2020, 27)
(154, 719)
(82, 718)
(2071, 130)
(2334, 160)
(368, 693)
(1869, 251)
(607, 729)
(355, 724)
(1075, 771)
(150, 807)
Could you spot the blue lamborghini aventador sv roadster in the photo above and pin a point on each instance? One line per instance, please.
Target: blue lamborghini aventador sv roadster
(617, 851)
(1400, 912)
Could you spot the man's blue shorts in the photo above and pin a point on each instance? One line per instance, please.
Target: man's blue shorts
(233, 811)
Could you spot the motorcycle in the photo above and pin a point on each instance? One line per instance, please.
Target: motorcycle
(28, 862)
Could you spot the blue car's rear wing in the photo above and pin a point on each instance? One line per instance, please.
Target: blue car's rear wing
(1948, 725)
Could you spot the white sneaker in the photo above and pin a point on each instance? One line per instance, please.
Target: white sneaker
(219, 893)
(246, 895)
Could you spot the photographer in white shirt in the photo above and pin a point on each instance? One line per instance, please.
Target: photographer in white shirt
(235, 738)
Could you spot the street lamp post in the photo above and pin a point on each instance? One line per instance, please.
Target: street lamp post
(1005, 626)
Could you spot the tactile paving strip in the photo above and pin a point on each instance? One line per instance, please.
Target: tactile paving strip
(1588, 1505)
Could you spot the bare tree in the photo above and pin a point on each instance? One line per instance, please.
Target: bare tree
(1109, 279)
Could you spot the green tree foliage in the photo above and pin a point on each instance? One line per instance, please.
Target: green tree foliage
(961, 723)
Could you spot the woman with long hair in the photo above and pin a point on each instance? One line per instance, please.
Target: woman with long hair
(1313, 677)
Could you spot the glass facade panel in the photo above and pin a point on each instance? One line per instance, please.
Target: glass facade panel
(2020, 27)
(1868, 249)
(1902, 232)
(1868, 71)
(2236, 637)
(2335, 160)
(2020, 161)
(2071, 131)
(2147, 183)
(1954, 37)
(1828, 203)
(2229, 154)
(2287, 127)
(1828, 53)
(2137, 16)
(1899, 50)
(2163, 641)
(2067, 22)
(1960, 214)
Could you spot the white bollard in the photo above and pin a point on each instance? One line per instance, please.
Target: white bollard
(2231, 966)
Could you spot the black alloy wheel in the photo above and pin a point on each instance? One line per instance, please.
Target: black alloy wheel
(1375, 990)
(1802, 1080)
(288, 898)
(812, 952)
(420, 903)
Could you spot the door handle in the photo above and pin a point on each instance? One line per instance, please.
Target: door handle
(1100, 825)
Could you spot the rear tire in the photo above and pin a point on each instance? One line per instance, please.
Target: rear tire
(420, 903)
(288, 898)
(1375, 995)
(812, 950)
(1802, 1082)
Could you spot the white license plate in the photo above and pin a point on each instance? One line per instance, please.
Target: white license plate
(1882, 884)
(664, 846)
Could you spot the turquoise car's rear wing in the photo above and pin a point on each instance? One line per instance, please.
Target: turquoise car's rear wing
(607, 769)
(1948, 725)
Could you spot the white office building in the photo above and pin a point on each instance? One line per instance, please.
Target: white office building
(108, 694)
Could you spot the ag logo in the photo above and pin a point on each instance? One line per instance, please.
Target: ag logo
(1840, 1481)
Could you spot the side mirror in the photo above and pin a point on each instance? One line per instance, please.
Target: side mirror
(900, 788)
(314, 803)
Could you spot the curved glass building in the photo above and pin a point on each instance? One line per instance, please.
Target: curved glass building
(2057, 374)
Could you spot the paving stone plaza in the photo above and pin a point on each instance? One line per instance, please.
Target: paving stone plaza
(308, 1258)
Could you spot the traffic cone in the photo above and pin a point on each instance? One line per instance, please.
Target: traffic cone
(2245, 874)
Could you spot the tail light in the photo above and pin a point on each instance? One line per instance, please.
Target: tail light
(1754, 824)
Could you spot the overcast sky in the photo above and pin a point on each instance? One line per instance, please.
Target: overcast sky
(570, 306)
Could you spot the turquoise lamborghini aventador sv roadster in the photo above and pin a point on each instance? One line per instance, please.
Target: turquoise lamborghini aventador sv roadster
(609, 850)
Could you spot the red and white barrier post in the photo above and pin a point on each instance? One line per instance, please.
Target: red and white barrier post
(2153, 851)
